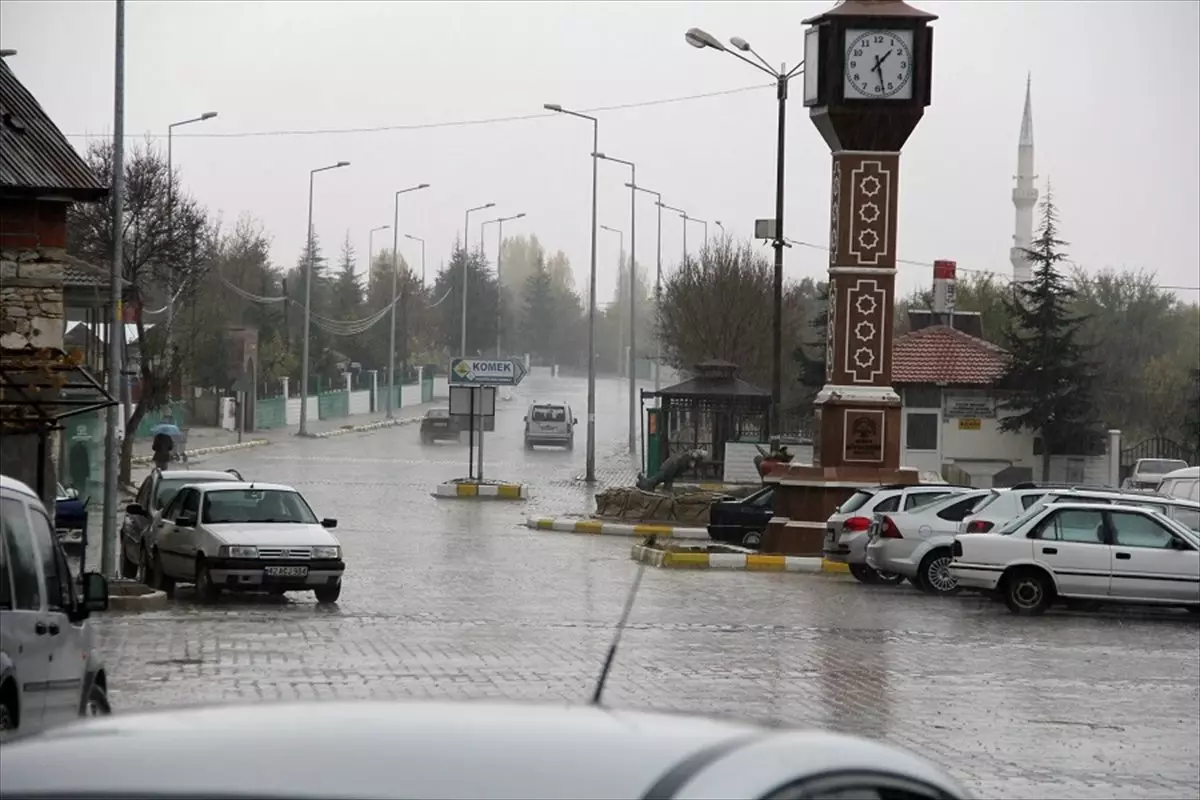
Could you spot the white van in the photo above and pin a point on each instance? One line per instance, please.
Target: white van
(1182, 483)
(49, 669)
(550, 424)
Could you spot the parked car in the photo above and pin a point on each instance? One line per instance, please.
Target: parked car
(846, 528)
(1148, 473)
(742, 521)
(438, 424)
(70, 516)
(1077, 550)
(1182, 483)
(143, 514)
(50, 672)
(918, 543)
(550, 424)
(347, 751)
(245, 537)
(1004, 505)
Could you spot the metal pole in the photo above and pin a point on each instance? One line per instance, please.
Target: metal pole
(422, 263)
(308, 262)
(171, 240)
(392, 333)
(632, 311)
(108, 544)
(658, 301)
(499, 290)
(590, 471)
(777, 333)
(462, 340)
(685, 219)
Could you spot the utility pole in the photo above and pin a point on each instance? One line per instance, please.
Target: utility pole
(108, 544)
(391, 400)
(462, 342)
(657, 280)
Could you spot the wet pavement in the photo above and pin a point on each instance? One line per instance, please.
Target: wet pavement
(457, 599)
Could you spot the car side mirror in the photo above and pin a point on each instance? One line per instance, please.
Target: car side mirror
(525, 418)
(574, 420)
(135, 509)
(328, 523)
(185, 521)
(95, 596)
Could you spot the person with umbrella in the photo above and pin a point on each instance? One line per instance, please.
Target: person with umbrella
(166, 433)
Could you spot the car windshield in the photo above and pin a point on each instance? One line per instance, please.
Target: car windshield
(1016, 522)
(169, 487)
(1159, 466)
(1186, 516)
(548, 414)
(225, 506)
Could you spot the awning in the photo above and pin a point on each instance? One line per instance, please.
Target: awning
(41, 387)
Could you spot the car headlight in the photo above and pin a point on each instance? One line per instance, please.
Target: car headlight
(239, 551)
(329, 552)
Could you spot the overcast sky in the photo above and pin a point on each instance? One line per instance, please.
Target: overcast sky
(1116, 93)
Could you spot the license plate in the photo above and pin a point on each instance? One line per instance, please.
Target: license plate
(287, 572)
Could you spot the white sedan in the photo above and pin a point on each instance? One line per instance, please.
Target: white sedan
(344, 751)
(1081, 551)
(245, 537)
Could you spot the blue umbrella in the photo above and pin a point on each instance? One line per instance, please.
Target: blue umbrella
(167, 428)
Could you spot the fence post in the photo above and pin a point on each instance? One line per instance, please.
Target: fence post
(374, 389)
(1114, 458)
(284, 382)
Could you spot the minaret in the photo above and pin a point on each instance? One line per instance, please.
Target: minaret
(1025, 194)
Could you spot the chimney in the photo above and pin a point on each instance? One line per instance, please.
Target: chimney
(943, 291)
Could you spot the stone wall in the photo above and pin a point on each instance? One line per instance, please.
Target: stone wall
(31, 298)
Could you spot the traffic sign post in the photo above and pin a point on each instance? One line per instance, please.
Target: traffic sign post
(473, 402)
(487, 371)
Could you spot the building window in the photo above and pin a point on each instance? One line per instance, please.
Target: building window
(923, 397)
(922, 432)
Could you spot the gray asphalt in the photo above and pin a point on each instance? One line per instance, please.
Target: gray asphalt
(457, 599)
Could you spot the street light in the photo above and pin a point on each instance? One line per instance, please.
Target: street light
(701, 39)
(687, 219)
(499, 255)
(395, 279)
(620, 252)
(422, 241)
(657, 277)
(633, 415)
(590, 472)
(371, 251)
(171, 213)
(308, 298)
(466, 251)
(722, 227)
(683, 215)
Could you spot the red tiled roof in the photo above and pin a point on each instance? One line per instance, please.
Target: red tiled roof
(942, 355)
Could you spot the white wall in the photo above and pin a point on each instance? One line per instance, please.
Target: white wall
(441, 387)
(293, 411)
(980, 451)
(360, 402)
(410, 394)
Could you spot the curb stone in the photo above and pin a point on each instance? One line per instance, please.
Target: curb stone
(200, 451)
(661, 530)
(494, 491)
(119, 600)
(752, 562)
(366, 426)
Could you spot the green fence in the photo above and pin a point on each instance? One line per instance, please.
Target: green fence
(333, 405)
(178, 411)
(427, 387)
(270, 412)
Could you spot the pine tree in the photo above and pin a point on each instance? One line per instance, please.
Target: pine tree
(1191, 422)
(810, 355)
(538, 320)
(1049, 379)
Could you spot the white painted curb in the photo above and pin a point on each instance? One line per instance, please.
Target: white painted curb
(366, 426)
(494, 491)
(593, 526)
(200, 451)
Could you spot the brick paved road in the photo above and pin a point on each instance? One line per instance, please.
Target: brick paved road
(457, 599)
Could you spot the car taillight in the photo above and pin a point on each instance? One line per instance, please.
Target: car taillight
(856, 524)
(888, 529)
(979, 526)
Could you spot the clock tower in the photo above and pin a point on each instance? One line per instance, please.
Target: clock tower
(867, 80)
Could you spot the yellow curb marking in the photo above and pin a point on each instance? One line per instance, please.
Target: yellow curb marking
(657, 530)
(510, 490)
(686, 559)
(834, 566)
(588, 527)
(468, 490)
(766, 563)
(544, 524)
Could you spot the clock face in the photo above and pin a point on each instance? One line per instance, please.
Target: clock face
(879, 65)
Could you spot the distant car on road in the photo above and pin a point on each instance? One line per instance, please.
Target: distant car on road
(550, 424)
(70, 516)
(1148, 472)
(245, 537)
(742, 522)
(438, 424)
(343, 750)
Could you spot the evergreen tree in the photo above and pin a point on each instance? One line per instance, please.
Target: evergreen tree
(1049, 380)
(810, 355)
(1191, 422)
(539, 317)
(482, 303)
(347, 290)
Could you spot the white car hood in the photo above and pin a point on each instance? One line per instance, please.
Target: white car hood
(272, 534)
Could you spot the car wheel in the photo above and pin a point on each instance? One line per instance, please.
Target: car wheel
(276, 591)
(1028, 593)
(864, 574)
(889, 578)
(935, 573)
(160, 580)
(8, 711)
(426, 439)
(206, 591)
(96, 704)
(1194, 609)
(128, 568)
(328, 594)
(528, 444)
(571, 443)
(752, 540)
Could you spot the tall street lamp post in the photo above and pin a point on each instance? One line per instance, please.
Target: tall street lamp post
(683, 216)
(590, 472)
(657, 277)
(719, 225)
(632, 294)
(391, 400)
(422, 241)
(207, 115)
(466, 252)
(701, 39)
(371, 251)
(620, 252)
(308, 298)
(687, 219)
(499, 258)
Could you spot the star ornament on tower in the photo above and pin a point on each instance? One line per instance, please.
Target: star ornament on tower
(869, 186)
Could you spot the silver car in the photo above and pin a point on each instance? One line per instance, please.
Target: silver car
(334, 750)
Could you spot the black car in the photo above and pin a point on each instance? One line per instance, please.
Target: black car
(742, 522)
(438, 424)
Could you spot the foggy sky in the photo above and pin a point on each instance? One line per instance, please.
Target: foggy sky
(1116, 97)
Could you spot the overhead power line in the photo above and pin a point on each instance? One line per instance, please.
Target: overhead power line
(434, 125)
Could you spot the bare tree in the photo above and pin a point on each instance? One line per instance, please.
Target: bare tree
(166, 250)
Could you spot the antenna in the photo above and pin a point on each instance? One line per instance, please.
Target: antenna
(612, 649)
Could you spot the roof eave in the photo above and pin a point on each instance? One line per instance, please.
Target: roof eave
(55, 194)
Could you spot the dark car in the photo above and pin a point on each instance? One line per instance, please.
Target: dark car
(742, 522)
(70, 517)
(438, 424)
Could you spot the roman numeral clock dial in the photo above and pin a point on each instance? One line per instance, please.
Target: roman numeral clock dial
(879, 65)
